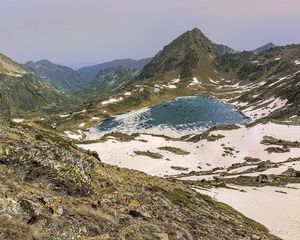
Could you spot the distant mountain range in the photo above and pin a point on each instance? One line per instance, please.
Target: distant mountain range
(69, 80)
(263, 82)
(89, 73)
(108, 80)
(87, 79)
(191, 59)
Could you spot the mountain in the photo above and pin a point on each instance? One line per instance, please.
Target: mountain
(108, 80)
(269, 81)
(264, 47)
(10, 67)
(223, 49)
(62, 77)
(191, 54)
(264, 86)
(89, 73)
(24, 93)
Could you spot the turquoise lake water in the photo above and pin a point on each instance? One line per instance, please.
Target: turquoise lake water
(185, 114)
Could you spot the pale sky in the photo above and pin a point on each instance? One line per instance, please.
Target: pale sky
(84, 32)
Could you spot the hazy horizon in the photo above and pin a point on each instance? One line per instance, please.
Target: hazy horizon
(88, 32)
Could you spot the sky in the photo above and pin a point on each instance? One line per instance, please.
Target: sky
(78, 33)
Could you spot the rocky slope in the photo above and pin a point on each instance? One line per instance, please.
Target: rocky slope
(10, 67)
(189, 55)
(223, 49)
(62, 77)
(89, 73)
(22, 93)
(51, 189)
(108, 80)
(264, 48)
(270, 81)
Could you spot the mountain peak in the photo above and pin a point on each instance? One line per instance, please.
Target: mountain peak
(188, 55)
(264, 48)
(44, 62)
(196, 31)
(195, 34)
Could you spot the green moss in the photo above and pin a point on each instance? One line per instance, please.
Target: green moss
(178, 196)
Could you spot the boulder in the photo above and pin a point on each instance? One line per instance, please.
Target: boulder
(262, 178)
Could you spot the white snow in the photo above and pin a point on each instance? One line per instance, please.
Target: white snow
(264, 111)
(64, 115)
(194, 82)
(242, 104)
(172, 86)
(127, 94)
(72, 135)
(279, 80)
(95, 118)
(112, 100)
(18, 120)
(247, 141)
(277, 59)
(81, 124)
(279, 212)
(177, 80)
(214, 82)
(83, 111)
(297, 62)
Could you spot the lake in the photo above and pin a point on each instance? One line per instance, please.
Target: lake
(182, 115)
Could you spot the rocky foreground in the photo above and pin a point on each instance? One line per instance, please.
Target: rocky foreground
(51, 189)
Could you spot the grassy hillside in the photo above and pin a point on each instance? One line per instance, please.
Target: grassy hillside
(27, 95)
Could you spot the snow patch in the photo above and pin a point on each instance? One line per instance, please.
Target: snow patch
(297, 62)
(75, 136)
(81, 124)
(64, 116)
(18, 120)
(177, 80)
(264, 111)
(194, 82)
(266, 205)
(112, 100)
(83, 111)
(214, 82)
(95, 118)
